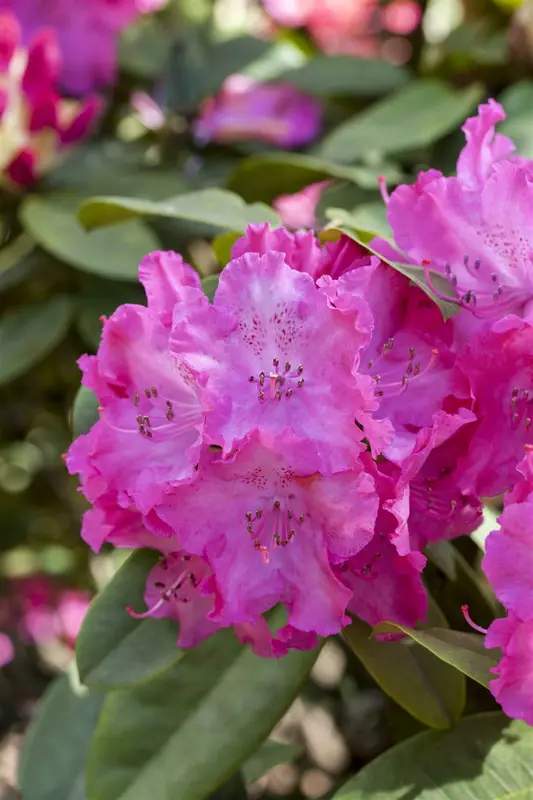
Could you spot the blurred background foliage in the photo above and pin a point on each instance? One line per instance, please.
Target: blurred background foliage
(393, 113)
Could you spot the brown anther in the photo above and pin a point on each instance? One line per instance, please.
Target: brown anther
(275, 361)
(377, 378)
(139, 419)
(288, 393)
(277, 538)
(528, 423)
(411, 353)
(289, 513)
(248, 516)
(261, 395)
(251, 379)
(515, 417)
(136, 399)
(261, 379)
(379, 393)
(301, 518)
(257, 544)
(250, 527)
(259, 513)
(369, 365)
(149, 434)
(291, 534)
(278, 394)
(287, 366)
(405, 380)
(300, 383)
(186, 558)
(192, 579)
(147, 393)
(142, 430)
(277, 504)
(515, 392)
(159, 585)
(416, 368)
(170, 414)
(154, 391)
(284, 542)
(409, 369)
(146, 421)
(300, 369)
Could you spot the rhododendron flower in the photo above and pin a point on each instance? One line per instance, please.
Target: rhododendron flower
(269, 527)
(352, 27)
(87, 31)
(476, 227)
(508, 564)
(7, 651)
(273, 353)
(46, 613)
(299, 210)
(36, 124)
(149, 435)
(497, 367)
(276, 113)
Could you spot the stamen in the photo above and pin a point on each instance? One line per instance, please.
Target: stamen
(382, 183)
(472, 624)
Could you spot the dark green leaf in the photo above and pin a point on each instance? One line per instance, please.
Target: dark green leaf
(114, 650)
(18, 259)
(486, 757)
(416, 116)
(234, 789)
(182, 734)
(52, 222)
(265, 176)
(216, 207)
(102, 300)
(84, 412)
(144, 47)
(430, 690)
(327, 75)
(233, 56)
(29, 333)
(56, 745)
(464, 651)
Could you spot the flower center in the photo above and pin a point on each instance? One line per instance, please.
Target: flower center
(279, 382)
(393, 373)
(519, 408)
(275, 525)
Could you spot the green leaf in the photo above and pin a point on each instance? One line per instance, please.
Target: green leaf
(362, 77)
(184, 733)
(55, 749)
(517, 101)
(29, 333)
(52, 222)
(266, 175)
(464, 651)
(209, 285)
(223, 245)
(414, 273)
(430, 690)
(17, 260)
(114, 650)
(269, 755)
(486, 757)
(84, 413)
(216, 207)
(416, 116)
(233, 56)
(368, 217)
(234, 789)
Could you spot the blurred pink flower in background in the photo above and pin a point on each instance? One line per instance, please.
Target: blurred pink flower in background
(6, 650)
(298, 210)
(36, 123)
(87, 32)
(243, 109)
(47, 614)
(347, 26)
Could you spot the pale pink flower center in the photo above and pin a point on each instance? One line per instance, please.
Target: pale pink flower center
(280, 382)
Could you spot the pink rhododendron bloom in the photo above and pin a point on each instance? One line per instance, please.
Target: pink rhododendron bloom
(299, 210)
(273, 353)
(508, 564)
(497, 367)
(48, 613)
(476, 228)
(269, 527)
(7, 651)
(276, 113)
(37, 125)
(352, 27)
(149, 434)
(87, 32)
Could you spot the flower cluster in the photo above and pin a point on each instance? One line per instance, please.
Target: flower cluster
(354, 28)
(275, 113)
(37, 125)
(300, 440)
(87, 33)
